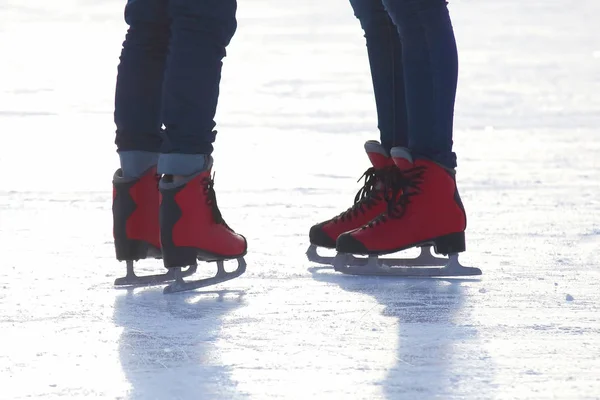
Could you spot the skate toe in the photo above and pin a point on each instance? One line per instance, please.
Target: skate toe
(320, 238)
(346, 243)
(243, 246)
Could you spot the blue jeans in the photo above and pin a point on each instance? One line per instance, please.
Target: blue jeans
(414, 66)
(169, 74)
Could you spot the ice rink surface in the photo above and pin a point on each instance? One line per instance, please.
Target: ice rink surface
(295, 110)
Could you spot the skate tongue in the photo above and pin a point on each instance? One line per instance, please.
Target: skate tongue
(377, 154)
(402, 157)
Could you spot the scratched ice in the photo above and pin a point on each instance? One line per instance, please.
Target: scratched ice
(295, 110)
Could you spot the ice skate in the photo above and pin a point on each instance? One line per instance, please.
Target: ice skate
(135, 226)
(369, 202)
(192, 228)
(424, 210)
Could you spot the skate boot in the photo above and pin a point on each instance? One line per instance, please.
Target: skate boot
(368, 203)
(135, 224)
(192, 228)
(424, 209)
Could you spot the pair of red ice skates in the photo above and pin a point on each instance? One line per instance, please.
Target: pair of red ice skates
(405, 202)
(155, 217)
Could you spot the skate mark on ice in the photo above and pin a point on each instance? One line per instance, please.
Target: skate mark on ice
(26, 114)
(165, 340)
(339, 278)
(429, 315)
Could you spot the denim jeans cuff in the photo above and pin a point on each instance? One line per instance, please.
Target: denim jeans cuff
(182, 164)
(135, 163)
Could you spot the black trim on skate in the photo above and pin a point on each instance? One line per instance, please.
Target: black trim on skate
(447, 244)
(457, 198)
(135, 250)
(169, 214)
(346, 243)
(123, 207)
(319, 238)
(168, 201)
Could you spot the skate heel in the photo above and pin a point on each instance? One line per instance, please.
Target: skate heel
(179, 257)
(453, 243)
(134, 250)
(135, 217)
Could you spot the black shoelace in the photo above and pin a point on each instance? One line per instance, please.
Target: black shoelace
(371, 192)
(400, 187)
(211, 200)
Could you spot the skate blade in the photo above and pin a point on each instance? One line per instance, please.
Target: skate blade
(424, 259)
(131, 279)
(222, 276)
(313, 256)
(377, 267)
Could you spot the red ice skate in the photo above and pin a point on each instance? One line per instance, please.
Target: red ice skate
(192, 228)
(135, 224)
(368, 203)
(425, 209)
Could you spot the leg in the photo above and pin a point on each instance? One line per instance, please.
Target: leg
(430, 73)
(191, 225)
(137, 116)
(384, 51)
(139, 86)
(424, 207)
(200, 32)
(385, 59)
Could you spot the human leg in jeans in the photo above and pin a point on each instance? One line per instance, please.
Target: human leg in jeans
(169, 76)
(384, 51)
(424, 206)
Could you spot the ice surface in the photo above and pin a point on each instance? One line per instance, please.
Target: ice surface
(295, 111)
